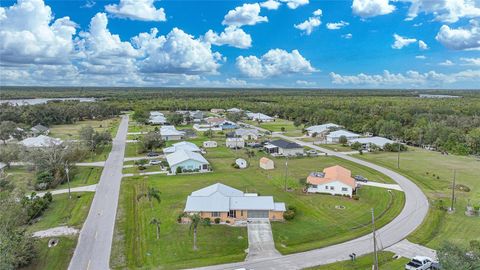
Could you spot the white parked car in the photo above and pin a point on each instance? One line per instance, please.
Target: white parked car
(155, 162)
(419, 263)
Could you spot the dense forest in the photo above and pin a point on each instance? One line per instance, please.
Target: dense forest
(451, 124)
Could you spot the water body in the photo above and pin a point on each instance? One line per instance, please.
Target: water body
(35, 101)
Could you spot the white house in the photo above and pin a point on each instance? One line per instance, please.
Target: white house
(41, 141)
(187, 162)
(188, 146)
(266, 164)
(334, 180)
(246, 134)
(367, 143)
(241, 163)
(39, 130)
(334, 136)
(321, 130)
(234, 110)
(210, 144)
(235, 143)
(283, 148)
(170, 133)
(217, 110)
(260, 117)
(157, 118)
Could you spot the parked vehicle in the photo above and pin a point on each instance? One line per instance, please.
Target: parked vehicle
(419, 263)
(312, 153)
(152, 154)
(360, 178)
(155, 162)
(435, 266)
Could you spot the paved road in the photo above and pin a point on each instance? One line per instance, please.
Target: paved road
(381, 185)
(409, 250)
(95, 240)
(412, 215)
(260, 240)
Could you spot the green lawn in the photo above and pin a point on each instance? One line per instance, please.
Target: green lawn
(433, 173)
(337, 147)
(135, 169)
(385, 261)
(100, 154)
(136, 127)
(290, 129)
(136, 247)
(70, 131)
(57, 257)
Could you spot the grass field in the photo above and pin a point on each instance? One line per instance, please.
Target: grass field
(136, 127)
(385, 261)
(57, 257)
(101, 154)
(433, 173)
(70, 131)
(317, 224)
(290, 129)
(337, 147)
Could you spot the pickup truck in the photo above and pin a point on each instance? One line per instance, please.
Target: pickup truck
(419, 263)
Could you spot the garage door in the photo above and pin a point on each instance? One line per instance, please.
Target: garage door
(257, 214)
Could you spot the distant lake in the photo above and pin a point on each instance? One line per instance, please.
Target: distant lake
(35, 101)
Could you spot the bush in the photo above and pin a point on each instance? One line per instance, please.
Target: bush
(217, 220)
(180, 216)
(35, 205)
(44, 180)
(208, 220)
(228, 221)
(289, 215)
(293, 208)
(355, 197)
(141, 167)
(178, 170)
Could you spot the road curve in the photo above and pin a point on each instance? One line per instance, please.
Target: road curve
(95, 240)
(412, 216)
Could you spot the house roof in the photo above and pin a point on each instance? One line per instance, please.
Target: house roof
(285, 144)
(156, 113)
(2, 165)
(265, 160)
(280, 206)
(252, 203)
(40, 128)
(218, 188)
(341, 132)
(182, 146)
(378, 141)
(234, 110)
(235, 140)
(214, 203)
(41, 141)
(332, 174)
(170, 131)
(259, 116)
(322, 128)
(245, 131)
(157, 119)
(215, 120)
(184, 155)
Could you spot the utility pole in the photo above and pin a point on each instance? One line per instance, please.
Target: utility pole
(375, 258)
(398, 155)
(68, 181)
(286, 173)
(453, 191)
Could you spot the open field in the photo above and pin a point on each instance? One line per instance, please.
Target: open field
(433, 173)
(136, 247)
(138, 127)
(385, 261)
(70, 131)
(57, 257)
(337, 147)
(290, 129)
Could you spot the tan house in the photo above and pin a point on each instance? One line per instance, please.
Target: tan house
(266, 164)
(334, 180)
(230, 204)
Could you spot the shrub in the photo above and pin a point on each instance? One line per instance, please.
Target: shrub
(217, 220)
(293, 208)
(44, 180)
(355, 197)
(141, 167)
(178, 170)
(236, 166)
(180, 216)
(208, 220)
(289, 215)
(228, 221)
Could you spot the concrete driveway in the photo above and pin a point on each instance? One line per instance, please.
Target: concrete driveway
(260, 240)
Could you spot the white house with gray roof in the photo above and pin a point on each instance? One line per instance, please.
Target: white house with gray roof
(187, 161)
(229, 204)
(321, 130)
(40, 142)
(334, 136)
(367, 143)
(188, 146)
(170, 133)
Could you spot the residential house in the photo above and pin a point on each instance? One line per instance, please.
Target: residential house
(170, 133)
(260, 117)
(210, 144)
(321, 130)
(266, 164)
(334, 136)
(40, 141)
(231, 205)
(367, 143)
(235, 143)
(241, 163)
(187, 161)
(188, 146)
(283, 148)
(157, 118)
(334, 180)
(246, 134)
(217, 110)
(234, 110)
(39, 130)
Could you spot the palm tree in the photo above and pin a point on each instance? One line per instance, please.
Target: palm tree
(151, 193)
(196, 220)
(157, 223)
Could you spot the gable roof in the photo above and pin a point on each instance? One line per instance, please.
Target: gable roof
(184, 155)
(332, 174)
(170, 131)
(285, 144)
(245, 131)
(322, 128)
(182, 146)
(218, 188)
(265, 160)
(341, 132)
(378, 141)
(41, 141)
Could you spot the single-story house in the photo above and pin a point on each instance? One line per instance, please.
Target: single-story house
(39, 130)
(266, 164)
(206, 127)
(230, 204)
(260, 117)
(235, 143)
(367, 143)
(334, 180)
(334, 136)
(283, 148)
(215, 121)
(241, 163)
(234, 110)
(170, 133)
(157, 118)
(187, 161)
(41, 141)
(210, 144)
(217, 110)
(227, 125)
(321, 130)
(188, 146)
(246, 134)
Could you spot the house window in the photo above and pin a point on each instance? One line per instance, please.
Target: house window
(314, 186)
(344, 189)
(326, 187)
(215, 214)
(332, 188)
(232, 213)
(241, 213)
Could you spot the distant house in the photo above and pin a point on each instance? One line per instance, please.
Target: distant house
(39, 130)
(367, 143)
(217, 110)
(157, 118)
(188, 146)
(210, 144)
(241, 163)
(170, 133)
(266, 164)
(283, 148)
(334, 180)
(234, 110)
(196, 116)
(227, 125)
(229, 204)
(246, 134)
(2, 167)
(187, 162)
(334, 136)
(260, 117)
(40, 141)
(235, 143)
(321, 130)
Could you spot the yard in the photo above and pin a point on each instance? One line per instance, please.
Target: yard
(433, 173)
(136, 245)
(70, 131)
(337, 147)
(385, 261)
(290, 129)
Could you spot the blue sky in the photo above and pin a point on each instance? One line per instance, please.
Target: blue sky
(382, 44)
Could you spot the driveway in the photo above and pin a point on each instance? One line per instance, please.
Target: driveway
(260, 240)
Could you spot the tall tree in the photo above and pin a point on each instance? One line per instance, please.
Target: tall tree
(9, 129)
(157, 223)
(151, 194)
(195, 221)
(453, 257)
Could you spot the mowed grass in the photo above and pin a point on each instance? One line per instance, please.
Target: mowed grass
(337, 147)
(433, 173)
(70, 131)
(57, 257)
(278, 124)
(317, 224)
(385, 261)
(100, 154)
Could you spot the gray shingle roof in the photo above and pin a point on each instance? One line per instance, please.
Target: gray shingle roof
(285, 144)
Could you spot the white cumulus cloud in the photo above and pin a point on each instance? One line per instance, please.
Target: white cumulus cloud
(371, 8)
(142, 10)
(471, 61)
(347, 36)
(336, 26)
(463, 38)
(270, 4)
(449, 11)
(231, 36)
(311, 23)
(401, 42)
(247, 14)
(422, 45)
(274, 63)
(293, 4)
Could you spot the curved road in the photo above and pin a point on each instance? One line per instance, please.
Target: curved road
(412, 215)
